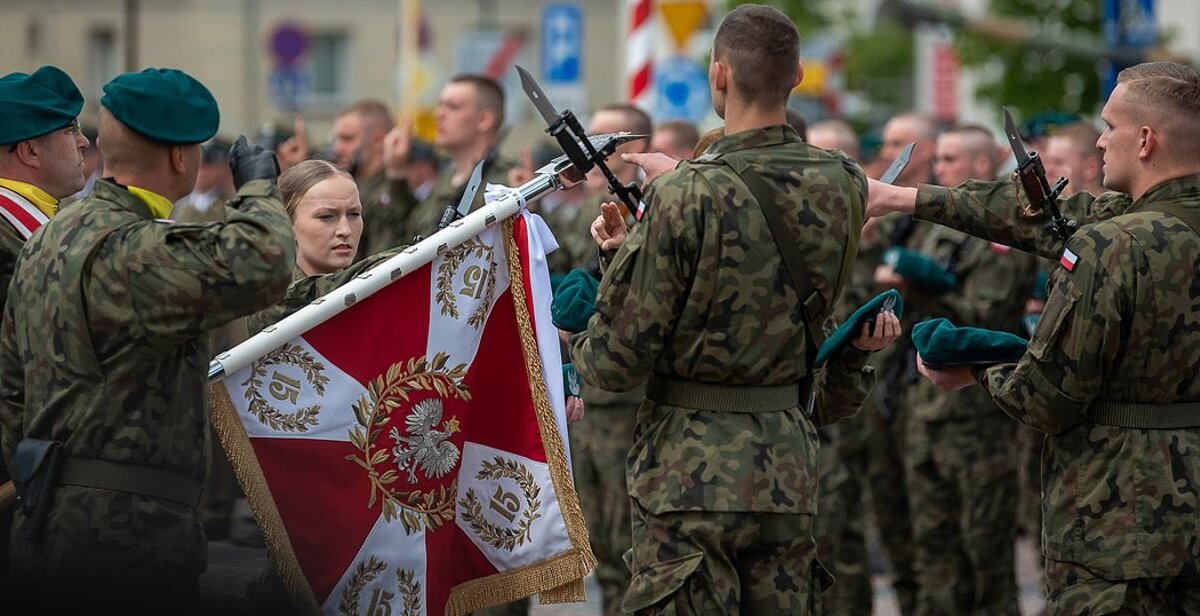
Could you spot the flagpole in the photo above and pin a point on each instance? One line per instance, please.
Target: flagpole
(548, 178)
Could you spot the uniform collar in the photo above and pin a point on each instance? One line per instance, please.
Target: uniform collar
(38, 197)
(754, 138)
(141, 204)
(1187, 187)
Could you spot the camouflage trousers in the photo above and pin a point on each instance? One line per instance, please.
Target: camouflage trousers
(599, 447)
(889, 495)
(839, 526)
(702, 562)
(1074, 589)
(963, 494)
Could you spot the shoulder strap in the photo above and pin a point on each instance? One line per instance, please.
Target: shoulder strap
(1189, 216)
(812, 305)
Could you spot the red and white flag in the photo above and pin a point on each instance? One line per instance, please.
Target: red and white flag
(408, 455)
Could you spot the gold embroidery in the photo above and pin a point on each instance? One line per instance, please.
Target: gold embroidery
(285, 388)
(477, 283)
(373, 411)
(505, 503)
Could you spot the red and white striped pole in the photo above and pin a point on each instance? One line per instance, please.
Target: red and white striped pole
(639, 51)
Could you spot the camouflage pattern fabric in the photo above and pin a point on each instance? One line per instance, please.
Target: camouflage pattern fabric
(387, 204)
(1123, 325)
(572, 227)
(698, 292)
(425, 214)
(10, 246)
(960, 446)
(131, 302)
(1076, 590)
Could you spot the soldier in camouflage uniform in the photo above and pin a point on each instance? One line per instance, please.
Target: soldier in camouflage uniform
(1109, 374)
(961, 468)
(600, 443)
(469, 115)
(130, 299)
(840, 524)
(723, 472)
(41, 157)
(888, 420)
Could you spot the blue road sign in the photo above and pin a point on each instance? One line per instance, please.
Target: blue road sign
(1127, 24)
(680, 90)
(562, 44)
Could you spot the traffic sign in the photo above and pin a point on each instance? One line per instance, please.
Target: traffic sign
(562, 44)
(681, 90)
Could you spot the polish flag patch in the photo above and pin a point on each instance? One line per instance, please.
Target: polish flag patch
(1001, 249)
(1069, 260)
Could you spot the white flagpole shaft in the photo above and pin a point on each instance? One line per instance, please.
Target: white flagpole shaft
(362, 286)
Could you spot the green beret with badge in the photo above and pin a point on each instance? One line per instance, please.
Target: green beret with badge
(574, 301)
(163, 104)
(941, 343)
(33, 105)
(888, 301)
(572, 385)
(921, 272)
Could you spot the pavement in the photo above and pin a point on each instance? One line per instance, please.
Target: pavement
(230, 568)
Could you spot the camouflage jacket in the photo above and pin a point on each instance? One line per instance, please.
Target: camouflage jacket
(571, 223)
(992, 283)
(426, 213)
(387, 206)
(104, 348)
(699, 292)
(1122, 325)
(304, 289)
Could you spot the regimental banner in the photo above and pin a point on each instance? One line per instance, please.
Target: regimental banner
(407, 456)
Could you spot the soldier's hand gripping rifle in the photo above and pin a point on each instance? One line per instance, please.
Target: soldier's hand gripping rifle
(581, 150)
(1042, 196)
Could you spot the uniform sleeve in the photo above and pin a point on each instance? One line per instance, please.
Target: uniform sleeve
(643, 290)
(12, 389)
(185, 280)
(842, 386)
(999, 212)
(1077, 340)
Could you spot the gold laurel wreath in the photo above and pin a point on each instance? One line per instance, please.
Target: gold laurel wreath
(384, 395)
(445, 283)
(410, 589)
(364, 574)
(503, 538)
(270, 416)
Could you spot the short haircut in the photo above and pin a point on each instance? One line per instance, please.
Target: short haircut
(1170, 93)
(925, 126)
(297, 181)
(837, 133)
(978, 139)
(633, 120)
(491, 95)
(762, 48)
(375, 113)
(685, 133)
(1082, 137)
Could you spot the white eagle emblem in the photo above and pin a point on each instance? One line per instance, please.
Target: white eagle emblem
(425, 447)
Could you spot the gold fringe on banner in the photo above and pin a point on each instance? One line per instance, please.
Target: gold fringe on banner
(254, 484)
(559, 578)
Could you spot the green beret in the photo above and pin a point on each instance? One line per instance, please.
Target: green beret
(574, 301)
(33, 105)
(853, 324)
(572, 386)
(163, 104)
(940, 343)
(923, 273)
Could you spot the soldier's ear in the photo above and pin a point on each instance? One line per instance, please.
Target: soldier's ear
(178, 158)
(1148, 141)
(799, 74)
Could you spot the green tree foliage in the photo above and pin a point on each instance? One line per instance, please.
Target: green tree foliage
(1033, 79)
(809, 15)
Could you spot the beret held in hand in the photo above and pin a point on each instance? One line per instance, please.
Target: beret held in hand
(940, 343)
(574, 301)
(852, 326)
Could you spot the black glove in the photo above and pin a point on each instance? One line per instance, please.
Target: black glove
(251, 162)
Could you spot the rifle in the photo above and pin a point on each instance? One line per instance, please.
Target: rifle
(1042, 197)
